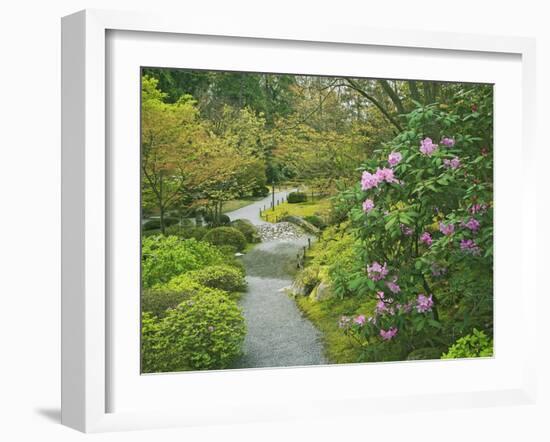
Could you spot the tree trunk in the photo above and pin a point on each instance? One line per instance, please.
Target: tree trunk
(161, 207)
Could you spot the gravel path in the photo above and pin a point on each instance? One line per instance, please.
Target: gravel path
(278, 335)
(252, 211)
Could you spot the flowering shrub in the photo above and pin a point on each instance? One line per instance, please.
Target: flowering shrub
(204, 332)
(426, 229)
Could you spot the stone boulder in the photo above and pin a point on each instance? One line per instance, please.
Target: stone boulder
(307, 226)
(321, 292)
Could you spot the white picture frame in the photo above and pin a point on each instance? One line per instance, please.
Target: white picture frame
(85, 237)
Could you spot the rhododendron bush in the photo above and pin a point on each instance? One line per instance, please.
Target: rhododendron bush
(422, 211)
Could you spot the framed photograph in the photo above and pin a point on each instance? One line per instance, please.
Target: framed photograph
(260, 224)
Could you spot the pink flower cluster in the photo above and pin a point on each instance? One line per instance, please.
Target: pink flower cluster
(388, 334)
(424, 303)
(360, 320)
(426, 238)
(394, 158)
(427, 147)
(469, 246)
(478, 208)
(376, 272)
(446, 229)
(370, 180)
(451, 164)
(447, 142)
(368, 205)
(472, 224)
(393, 286)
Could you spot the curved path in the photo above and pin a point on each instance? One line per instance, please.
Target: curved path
(278, 334)
(252, 211)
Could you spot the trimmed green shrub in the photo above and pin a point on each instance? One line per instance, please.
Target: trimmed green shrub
(247, 229)
(475, 345)
(196, 232)
(230, 236)
(262, 191)
(164, 257)
(222, 221)
(221, 277)
(317, 221)
(153, 224)
(160, 298)
(204, 332)
(296, 197)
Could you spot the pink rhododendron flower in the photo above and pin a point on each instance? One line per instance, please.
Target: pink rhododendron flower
(478, 208)
(424, 303)
(426, 238)
(386, 175)
(376, 271)
(360, 320)
(427, 147)
(452, 164)
(394, 158)
(447, 142)
(446, 229)
(369, 180)
(469, 246)
(394, 288)
(388, 334)
(368, 205)
(472, 224)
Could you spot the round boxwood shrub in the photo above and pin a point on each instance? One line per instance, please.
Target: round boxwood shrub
(162, 297)
(204, 332)
(164, 257)
(262, 191)
(317, 221)
(247, 229)
(223, 219)
(230, 236)
(296, 197)
(222, 277)
(152, 224)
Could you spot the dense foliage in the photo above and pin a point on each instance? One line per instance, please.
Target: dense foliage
(206, 331)
(166, 257)
(226, 236)
(422, 218)
(396, 176)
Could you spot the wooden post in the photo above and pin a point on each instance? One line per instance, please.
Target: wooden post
(309, 243)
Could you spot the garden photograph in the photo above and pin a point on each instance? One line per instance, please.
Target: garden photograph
(299, 220)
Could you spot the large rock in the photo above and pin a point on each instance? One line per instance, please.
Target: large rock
(308, 227)
(321, 292)
(297, 289)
